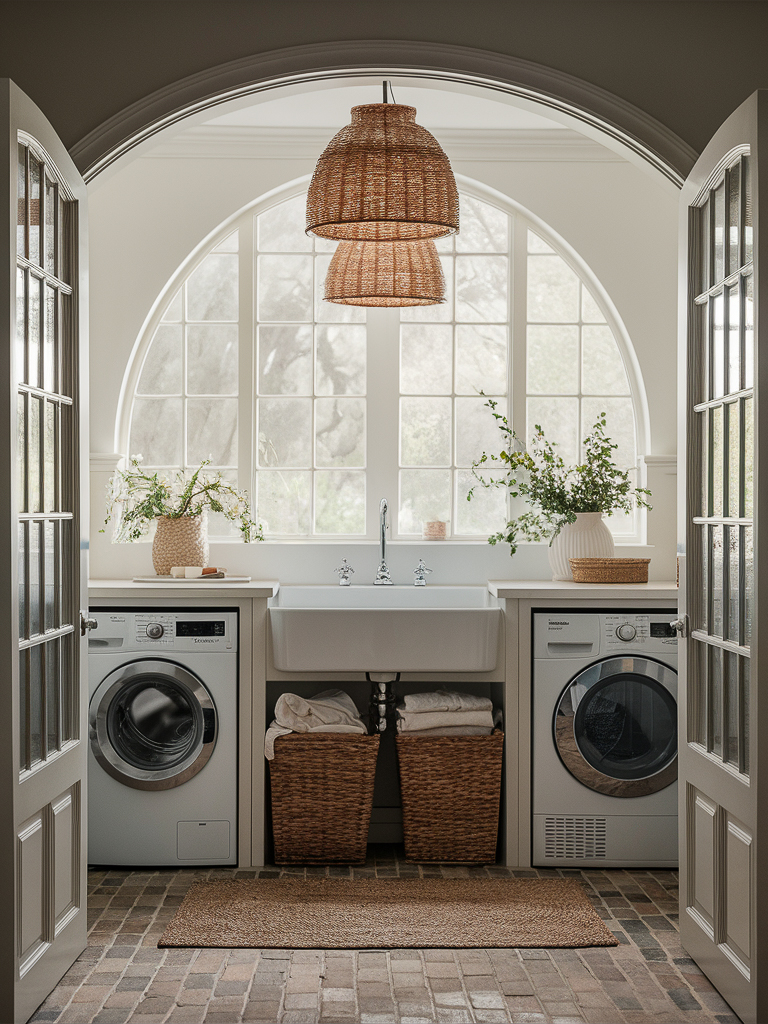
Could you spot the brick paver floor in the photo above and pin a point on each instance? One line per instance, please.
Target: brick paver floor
(123, 977)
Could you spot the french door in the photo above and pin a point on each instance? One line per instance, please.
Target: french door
(44, 533)
(723, 842)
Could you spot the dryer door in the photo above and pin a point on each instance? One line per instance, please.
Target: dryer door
(152, 724)
(616, 727)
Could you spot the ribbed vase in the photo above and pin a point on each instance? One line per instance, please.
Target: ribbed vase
(181, 541)
(588, 537)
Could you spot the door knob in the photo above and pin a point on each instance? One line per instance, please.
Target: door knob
(86, 623)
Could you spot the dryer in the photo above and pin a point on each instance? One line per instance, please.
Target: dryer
(162, 771)
(604, 751)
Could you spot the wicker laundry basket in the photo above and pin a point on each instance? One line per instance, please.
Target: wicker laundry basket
(322, 793)
(451, 791)
(609, 570)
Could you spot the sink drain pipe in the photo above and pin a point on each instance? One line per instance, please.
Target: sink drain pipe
(382, 698)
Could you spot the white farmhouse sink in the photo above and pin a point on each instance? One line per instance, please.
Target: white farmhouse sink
(384, 629)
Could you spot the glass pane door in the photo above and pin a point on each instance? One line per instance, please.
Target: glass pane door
(45, 441)
(722, 521)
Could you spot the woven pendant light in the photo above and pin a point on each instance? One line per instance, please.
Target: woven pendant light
(383, 177)
(385, 274)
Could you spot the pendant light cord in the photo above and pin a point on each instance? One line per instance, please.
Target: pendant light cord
(384, 85)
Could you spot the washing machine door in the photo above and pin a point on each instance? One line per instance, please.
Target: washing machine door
(153, 724)
(616, 727)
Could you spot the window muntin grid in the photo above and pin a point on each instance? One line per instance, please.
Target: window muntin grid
(186, 403)
(574, 367)
(328, 378)
(722, 427)
(311, 386)
(449, 354)
(44, 372)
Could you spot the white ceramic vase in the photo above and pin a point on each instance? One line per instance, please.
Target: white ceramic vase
(588, 537)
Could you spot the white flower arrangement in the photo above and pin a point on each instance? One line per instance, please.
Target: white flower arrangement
(136, 497)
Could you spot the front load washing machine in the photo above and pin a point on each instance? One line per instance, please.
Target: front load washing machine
(604, 764)
(162, 771)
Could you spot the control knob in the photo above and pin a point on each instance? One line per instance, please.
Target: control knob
(155, 630)
(626, 631)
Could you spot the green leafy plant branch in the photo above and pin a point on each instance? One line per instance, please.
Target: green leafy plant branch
(555, 491)
(136, 498)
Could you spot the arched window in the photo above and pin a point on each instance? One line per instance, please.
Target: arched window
(321, 409)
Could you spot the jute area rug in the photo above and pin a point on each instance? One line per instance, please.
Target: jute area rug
(331, 913)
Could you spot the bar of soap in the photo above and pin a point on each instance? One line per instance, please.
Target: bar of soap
(193, 572)
(177, 571)
(211, 569)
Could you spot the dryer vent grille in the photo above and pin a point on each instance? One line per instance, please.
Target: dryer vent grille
(574, 838)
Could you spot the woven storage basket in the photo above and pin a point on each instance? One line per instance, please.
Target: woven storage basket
(451, 790)
(322, 792)
(609, 570)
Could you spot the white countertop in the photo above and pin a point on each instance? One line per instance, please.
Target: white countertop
(183, 589)
(532, 590)
(662, 590)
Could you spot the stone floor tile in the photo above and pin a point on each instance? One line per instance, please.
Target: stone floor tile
(407, 980)
(405, 964)
(481, 983)
(186, 1015)
(79, 1012)
(455, 998)
(338, 995)
(441, 969)
(511, 987)
(91, 993)
(301, 1001)
(114, 1016)
(487, 1000)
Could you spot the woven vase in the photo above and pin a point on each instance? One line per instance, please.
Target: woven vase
(588, 537)
(182, 541)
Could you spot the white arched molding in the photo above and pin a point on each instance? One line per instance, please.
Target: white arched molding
(594, 111)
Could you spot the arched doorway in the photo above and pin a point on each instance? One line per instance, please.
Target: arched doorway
(598, 113)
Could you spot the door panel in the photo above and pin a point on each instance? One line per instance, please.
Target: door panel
(721, 848)
(43, 382)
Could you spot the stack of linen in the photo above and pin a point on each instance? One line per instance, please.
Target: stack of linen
(330, 711)
(444, 713)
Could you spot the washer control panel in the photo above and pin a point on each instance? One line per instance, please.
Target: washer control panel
(162, 629)
(591, 634)
(154, 628)
(651, 632)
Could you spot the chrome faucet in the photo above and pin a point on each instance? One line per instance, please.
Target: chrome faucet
(383, 576)
(345, 570)
(420, 574)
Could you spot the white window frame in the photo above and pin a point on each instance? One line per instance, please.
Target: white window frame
(382, 472)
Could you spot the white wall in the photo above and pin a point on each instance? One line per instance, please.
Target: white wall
(148, 215)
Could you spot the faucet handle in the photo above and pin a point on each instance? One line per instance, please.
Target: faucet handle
(419, 572)
(345, 570)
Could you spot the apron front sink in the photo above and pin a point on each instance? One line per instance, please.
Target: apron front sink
(384, 629)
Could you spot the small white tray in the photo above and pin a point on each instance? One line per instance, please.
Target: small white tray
(195, 579)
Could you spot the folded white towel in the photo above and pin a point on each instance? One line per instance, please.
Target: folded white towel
(454, 730)
(445, 700)
(330, 711)
(424, 720)
(451, 730)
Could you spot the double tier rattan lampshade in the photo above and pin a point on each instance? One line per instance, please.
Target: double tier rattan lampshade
(397, 273)
(383, 177)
